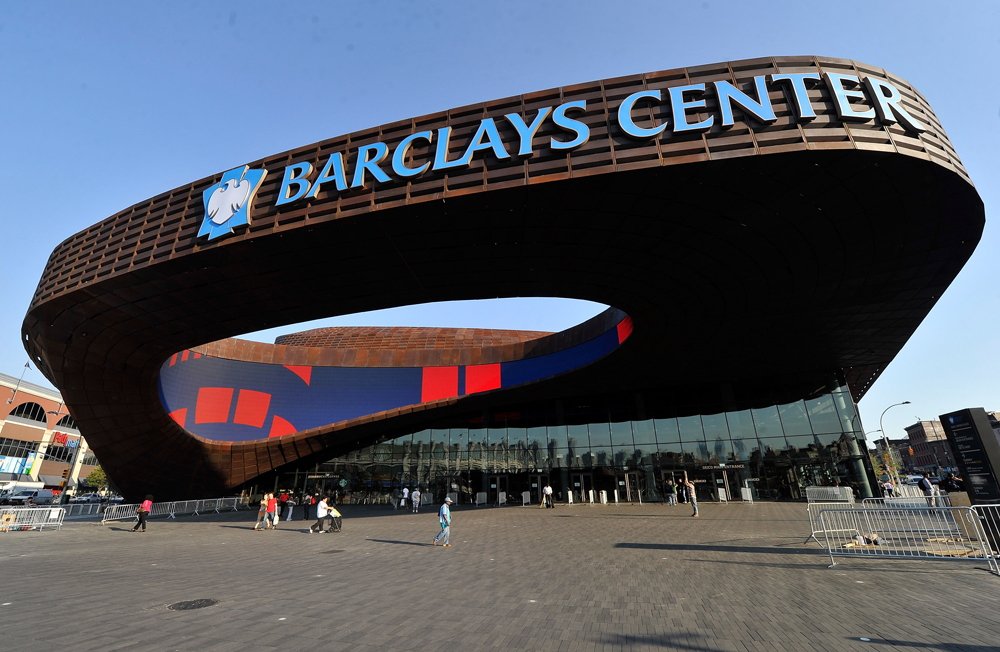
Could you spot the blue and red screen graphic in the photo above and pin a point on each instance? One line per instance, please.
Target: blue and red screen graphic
(233, 400)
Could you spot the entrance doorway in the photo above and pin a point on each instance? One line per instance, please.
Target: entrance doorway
(535, 485)
(630, 487)
(497, 486)
(581, 484)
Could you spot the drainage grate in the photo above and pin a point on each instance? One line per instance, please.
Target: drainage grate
(188, 605)
(329, 552)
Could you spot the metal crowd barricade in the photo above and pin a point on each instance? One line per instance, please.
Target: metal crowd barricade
(912, 533)
(813, 510)
(830, 495)
(31, 518)
(173, 509)
(83, 509)
(989, 522)
(938, 500)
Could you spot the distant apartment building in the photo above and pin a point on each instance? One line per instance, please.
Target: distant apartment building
(931, 450)
(900, 448)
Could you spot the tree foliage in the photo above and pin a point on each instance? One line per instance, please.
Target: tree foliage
(97, 477)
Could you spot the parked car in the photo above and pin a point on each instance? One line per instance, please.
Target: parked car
(36, 496)
(86, 498)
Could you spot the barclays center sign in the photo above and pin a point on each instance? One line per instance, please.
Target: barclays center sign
(228, 203)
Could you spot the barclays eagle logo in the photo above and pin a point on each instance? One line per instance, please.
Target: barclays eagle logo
(227, 203)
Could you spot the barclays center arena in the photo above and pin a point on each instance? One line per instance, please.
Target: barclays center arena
(766, 234)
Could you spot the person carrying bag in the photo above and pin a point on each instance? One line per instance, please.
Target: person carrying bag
(144, 509)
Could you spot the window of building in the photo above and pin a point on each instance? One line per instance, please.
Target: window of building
(29, 411)
(89, 459)
(17, 448)
(58, 454)
(67, 422)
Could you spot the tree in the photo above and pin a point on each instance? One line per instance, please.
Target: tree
(97, 478)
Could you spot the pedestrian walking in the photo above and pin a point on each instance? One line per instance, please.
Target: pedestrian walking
(144, 509)
(691, 496)
(282, 504)
(261, 514)
(889, 491)
(415, 498)
(671, 492)
(307, 502)
(322, 518)
(291, 508)
(272, 512)
(405, 502)
(547, 496)
(444, 520)
(925, 484)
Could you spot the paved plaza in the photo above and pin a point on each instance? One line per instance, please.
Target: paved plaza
(601, 578)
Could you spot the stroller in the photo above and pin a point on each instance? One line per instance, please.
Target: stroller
(333, 521)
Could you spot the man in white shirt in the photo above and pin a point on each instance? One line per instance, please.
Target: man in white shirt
(444, 520)
(322, 509)
(547, 493)
(406, 498)
(415, 496)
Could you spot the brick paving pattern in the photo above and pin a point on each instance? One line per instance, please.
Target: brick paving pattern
(588, 579)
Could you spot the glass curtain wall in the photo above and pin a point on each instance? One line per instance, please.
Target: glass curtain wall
(768, 453)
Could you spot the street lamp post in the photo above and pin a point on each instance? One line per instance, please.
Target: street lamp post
(885, 441)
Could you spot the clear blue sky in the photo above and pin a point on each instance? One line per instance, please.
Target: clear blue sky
(169, 92)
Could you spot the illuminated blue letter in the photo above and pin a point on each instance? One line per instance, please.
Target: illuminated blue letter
(581, 130)
(336, 164)
(527, 132)
(835, 83)
(399, 156)
(727, 94)
(680, 107)
(888, 102)
(295, 174)
(487, 128)
(364, 163)
(441, 161)
(625, 116)
(799, 93)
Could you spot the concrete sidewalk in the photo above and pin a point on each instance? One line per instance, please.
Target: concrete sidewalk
(573, 578)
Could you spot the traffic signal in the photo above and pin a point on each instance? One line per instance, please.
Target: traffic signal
(65, 474)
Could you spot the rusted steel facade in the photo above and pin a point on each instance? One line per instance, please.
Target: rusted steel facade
(792, 249)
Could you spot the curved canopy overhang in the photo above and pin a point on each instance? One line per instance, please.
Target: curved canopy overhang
(786, 248)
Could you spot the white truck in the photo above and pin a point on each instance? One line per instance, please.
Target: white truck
(10, 487)
(31, 497)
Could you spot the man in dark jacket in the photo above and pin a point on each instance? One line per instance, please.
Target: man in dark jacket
(925, 485)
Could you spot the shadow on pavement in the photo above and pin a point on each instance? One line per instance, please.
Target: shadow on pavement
(401, 543)
(946, 647)
(627, 641)
(696, 547)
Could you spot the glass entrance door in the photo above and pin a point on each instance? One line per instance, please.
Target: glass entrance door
(498, 485)
(630, 488)
(535, 485)
(581, 484)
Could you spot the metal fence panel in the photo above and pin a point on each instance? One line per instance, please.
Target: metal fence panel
(813, 510)
(916, 533)
(31, 518)
(171, 510)
(939, 500)
(829, 494)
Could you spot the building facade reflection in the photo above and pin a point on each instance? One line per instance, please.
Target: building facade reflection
(770, 453)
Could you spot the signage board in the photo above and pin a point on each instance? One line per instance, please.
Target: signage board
(976, 451)
(689, 107)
